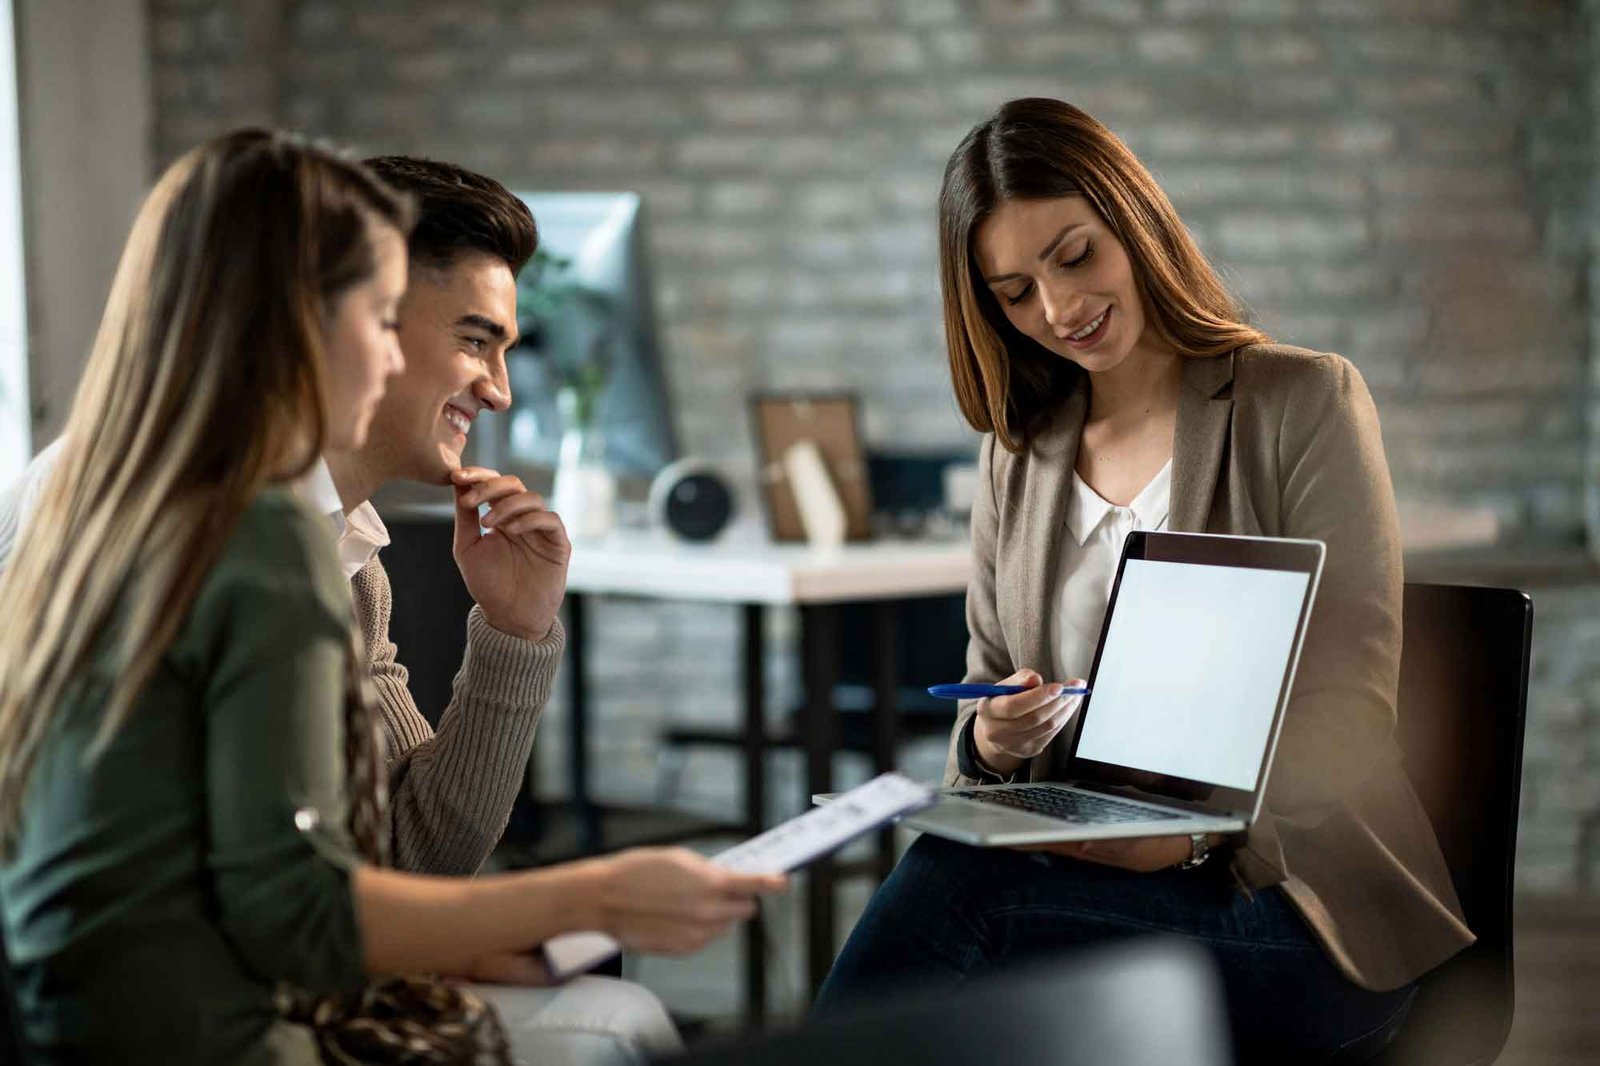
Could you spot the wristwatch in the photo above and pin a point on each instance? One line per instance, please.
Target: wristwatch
(1199, 851)
(971, 766)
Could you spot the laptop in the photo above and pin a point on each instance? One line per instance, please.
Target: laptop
(1191, 677)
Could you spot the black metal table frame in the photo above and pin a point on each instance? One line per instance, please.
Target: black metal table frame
(819, 638)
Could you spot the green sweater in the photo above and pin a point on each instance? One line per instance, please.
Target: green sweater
(159, 893)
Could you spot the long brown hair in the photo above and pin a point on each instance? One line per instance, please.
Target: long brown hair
(205, 383)
(1038, 149)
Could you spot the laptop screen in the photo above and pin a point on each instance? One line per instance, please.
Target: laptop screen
(1191, 668)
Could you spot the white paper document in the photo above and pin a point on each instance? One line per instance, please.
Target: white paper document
(780, 849)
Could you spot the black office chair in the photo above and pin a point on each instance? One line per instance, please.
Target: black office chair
(429, 611)
(13, 1044)
(1463, 699)
(1125, 1005)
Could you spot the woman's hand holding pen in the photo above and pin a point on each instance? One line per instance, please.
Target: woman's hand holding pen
(1010, 730)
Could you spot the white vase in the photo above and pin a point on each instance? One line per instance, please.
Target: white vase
(585, 492)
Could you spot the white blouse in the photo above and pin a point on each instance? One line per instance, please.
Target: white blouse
(1089, 562)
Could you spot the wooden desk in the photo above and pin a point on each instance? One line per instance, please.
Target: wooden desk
(754, 575)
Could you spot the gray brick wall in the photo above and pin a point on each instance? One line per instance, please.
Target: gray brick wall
(1592, 474)
(1403, 181)
(1559, 828)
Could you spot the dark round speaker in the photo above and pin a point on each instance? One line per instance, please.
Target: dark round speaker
(691, 499)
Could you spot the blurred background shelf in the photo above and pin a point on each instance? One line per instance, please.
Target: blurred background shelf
(544, 833)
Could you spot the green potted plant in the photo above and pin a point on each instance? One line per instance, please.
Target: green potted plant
(567, 325)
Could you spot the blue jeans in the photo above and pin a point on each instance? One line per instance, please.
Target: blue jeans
(949, 912)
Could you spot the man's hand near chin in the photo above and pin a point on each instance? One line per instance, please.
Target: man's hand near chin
(517, 571)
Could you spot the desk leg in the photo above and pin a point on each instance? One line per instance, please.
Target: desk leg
(755, 800)
(578, 724)
(819, 635)
(885, 709)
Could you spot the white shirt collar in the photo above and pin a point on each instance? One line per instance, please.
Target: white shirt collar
(317, 489)
(364, 534)
(361, 533)
(1087, 508)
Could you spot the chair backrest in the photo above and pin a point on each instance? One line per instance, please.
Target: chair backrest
(1144, 1002)
(1463, 701)
(13, 1044)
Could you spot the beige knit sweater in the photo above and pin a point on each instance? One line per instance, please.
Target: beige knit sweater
(450, 791)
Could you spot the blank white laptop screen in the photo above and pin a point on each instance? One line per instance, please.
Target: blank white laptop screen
(1189, 677)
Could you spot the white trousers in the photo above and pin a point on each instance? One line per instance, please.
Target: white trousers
(589, 1021)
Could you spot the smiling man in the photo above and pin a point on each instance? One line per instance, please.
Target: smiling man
(451, 792)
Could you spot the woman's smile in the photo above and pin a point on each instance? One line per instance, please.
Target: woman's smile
(1092, 333)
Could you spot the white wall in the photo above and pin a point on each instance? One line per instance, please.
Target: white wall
(84, 82)
(15, 434)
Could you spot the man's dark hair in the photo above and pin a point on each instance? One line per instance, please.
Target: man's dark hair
(459, 211)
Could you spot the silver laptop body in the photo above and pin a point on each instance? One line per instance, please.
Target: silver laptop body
(1191, 678)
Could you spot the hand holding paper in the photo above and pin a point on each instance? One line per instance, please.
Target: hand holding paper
(778, 850)
(673, 901)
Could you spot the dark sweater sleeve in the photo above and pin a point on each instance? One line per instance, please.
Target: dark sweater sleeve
(277, 809)
(450, 792)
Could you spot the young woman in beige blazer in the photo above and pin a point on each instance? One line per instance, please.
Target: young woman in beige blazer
(1097, 350)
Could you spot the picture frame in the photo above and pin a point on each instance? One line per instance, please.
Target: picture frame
(832, 422)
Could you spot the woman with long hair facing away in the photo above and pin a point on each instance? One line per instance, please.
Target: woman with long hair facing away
(1119, 387)
(190, 787)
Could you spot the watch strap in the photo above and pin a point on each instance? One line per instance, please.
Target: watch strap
(1199, 851)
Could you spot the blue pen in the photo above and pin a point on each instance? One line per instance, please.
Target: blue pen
(978, 692)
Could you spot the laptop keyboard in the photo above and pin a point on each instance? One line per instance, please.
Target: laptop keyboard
(1067, 805)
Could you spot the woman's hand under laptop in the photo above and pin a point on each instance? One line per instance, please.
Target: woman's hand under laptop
(1140, 855)
(1010, 730)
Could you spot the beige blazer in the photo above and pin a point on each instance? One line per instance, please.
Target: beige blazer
(1270, 441)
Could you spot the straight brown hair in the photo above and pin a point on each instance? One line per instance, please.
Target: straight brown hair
(205, 384)
(1040, 149)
